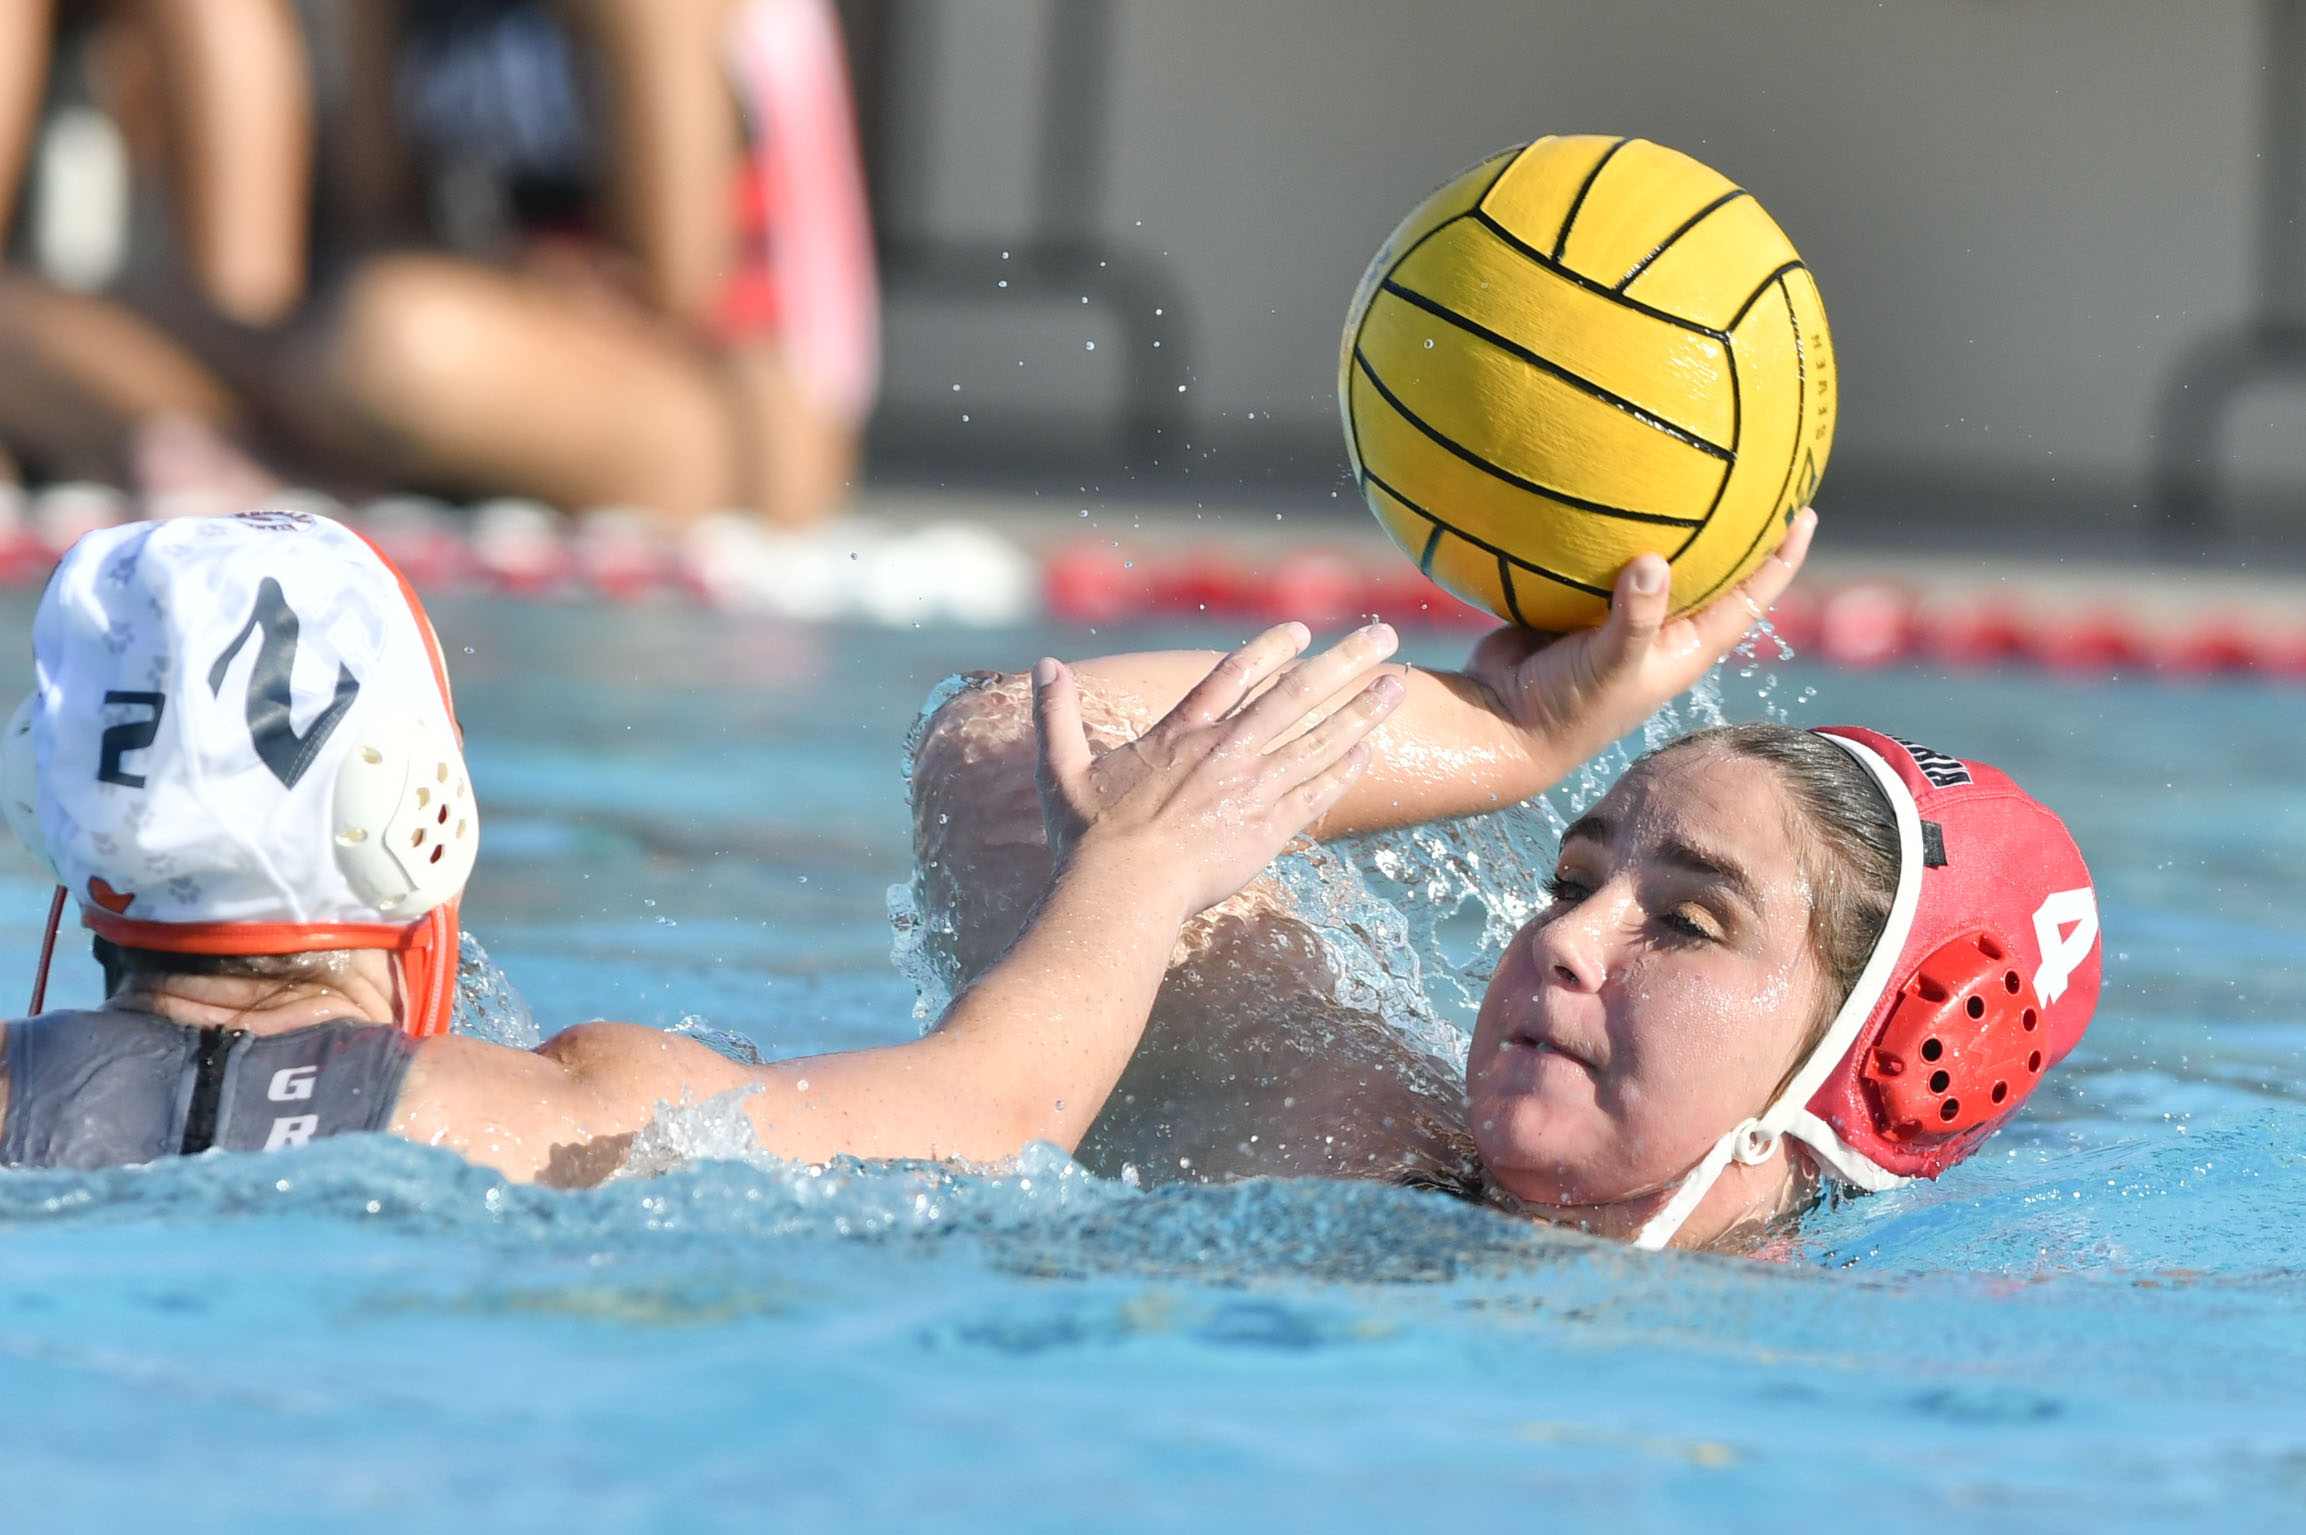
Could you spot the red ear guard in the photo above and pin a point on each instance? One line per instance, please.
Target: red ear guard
(1962, 1045)
(1994, 983)
(1984, 976)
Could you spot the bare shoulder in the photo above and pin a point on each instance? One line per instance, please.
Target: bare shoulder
(530, 1112)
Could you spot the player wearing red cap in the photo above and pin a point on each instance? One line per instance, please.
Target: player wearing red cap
(1770, 960)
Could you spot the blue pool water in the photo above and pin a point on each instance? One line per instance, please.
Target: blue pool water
(2101, 1319)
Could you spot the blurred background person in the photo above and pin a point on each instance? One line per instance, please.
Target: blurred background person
(207, 97)
(600, 252)
(651, 281)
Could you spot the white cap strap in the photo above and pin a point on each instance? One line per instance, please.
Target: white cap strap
(1788, 1114)
(1840, 1158)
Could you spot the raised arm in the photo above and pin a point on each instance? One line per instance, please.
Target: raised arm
(1144, 836)
(1526, 709)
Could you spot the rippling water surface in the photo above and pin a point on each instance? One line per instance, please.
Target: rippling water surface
(693, 821)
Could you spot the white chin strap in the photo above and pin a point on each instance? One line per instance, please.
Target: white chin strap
(1754, 1141)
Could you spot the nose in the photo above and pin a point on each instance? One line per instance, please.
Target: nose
(1572, 947)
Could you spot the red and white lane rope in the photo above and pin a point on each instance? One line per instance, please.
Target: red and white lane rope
(966, 574)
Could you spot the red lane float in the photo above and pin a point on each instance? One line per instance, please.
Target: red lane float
(522, 550)
(1867, 623)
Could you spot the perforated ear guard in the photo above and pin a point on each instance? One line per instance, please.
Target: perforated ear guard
(406, 829)
(1961, 1046)
(1985, 975)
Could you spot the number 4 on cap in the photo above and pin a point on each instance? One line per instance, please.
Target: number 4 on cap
(2065, 929)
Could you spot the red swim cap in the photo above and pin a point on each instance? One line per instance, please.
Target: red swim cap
(1994, 977)
(1985, 976)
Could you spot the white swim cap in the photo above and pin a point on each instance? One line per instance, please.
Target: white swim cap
(242, 742)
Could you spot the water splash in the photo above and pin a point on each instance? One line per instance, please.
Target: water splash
(1763, 647)
(678, 1135)
(921, 935)
(921, 949)
(728, 1046)
(488, 1005)
(1413, 920)
(1416, 919)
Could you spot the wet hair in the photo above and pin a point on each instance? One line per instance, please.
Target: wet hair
(1849, 848)
(124, 967)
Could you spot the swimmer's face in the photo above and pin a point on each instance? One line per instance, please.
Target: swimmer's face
(1662, 995)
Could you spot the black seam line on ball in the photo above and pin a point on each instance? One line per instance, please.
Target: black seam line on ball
(1432, 547)
(1599, 509)
(1459, 217)
(1442, 525)
(1352, 428)
(1361, 322)
(1506, 163)
(1512, 597)
(1695, 219)
(1418, 244)
(1577, 204)
(1755, 297)
(1721, 491)
(1801, 416)
(1547, 365)
(1569, 274)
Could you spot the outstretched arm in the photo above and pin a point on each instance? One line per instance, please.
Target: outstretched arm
(1145, 837)
(1527, 708)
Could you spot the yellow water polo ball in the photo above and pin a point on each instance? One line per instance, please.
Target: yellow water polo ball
(1579, 351)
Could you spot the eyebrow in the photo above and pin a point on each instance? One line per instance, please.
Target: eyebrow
(1698, 861)
(1590, 826)
(1674, 851)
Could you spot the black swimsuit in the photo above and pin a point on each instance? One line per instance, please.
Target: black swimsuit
(105, 1088)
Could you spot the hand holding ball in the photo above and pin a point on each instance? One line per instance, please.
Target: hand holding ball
(1578, 352)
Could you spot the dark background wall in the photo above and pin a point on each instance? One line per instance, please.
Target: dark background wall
(2019, 211)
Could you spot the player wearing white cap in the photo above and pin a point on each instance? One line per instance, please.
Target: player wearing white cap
(242, 761)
